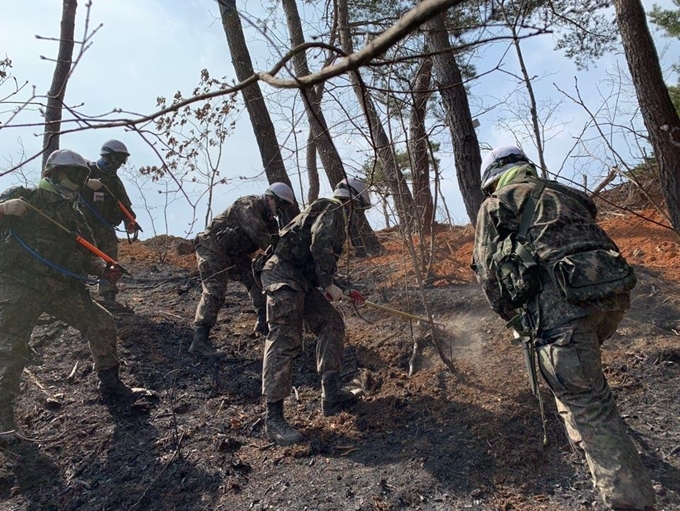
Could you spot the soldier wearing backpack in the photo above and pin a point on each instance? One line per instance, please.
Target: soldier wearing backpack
(550, 270)
(304, 261)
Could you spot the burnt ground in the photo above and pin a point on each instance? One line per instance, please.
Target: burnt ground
(432, 441)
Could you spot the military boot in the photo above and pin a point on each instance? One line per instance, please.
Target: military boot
(109, 299)
(202, 346)
(277, 428)
(8, 427)
(261, 327)
(112, 388)
(333, 399)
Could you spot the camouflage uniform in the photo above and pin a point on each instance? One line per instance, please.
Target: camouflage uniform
(305, 258)
(29, 287)
(103, 215)
(569, 336)
(224, 251)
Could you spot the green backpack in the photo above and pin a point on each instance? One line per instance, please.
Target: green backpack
(515, 262)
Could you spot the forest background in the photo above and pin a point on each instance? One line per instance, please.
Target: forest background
(588, 126)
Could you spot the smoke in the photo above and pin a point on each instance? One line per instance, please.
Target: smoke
(464, 336)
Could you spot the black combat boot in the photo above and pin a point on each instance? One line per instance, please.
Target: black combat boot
(333, 399)
(8, 427)
(261, 327)
(276, 427)
(202, 346)
(108, 300)
(112, 388)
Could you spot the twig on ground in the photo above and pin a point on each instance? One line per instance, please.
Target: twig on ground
(38, 384)
(71, 376)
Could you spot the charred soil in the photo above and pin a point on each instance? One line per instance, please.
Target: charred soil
(435, 440)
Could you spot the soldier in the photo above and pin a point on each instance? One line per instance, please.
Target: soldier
(44, 269)
(305, 259)
(551, 271)
(101, 201)
(224, 250)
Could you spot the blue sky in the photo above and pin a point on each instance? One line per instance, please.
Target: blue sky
(151, 48)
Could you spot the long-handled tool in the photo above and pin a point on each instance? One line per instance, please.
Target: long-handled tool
(82, 241)
(131, 219)
(397, 312)
(438, 330)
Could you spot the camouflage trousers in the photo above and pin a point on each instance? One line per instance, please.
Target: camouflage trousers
(20, 308)
(106, 240)
(287, 309)
(571, 364)
(216, 270)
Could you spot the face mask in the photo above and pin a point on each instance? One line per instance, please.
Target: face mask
(61, 189)
(69, 185)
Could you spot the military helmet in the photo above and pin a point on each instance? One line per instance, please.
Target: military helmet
(114, 146)
(282, 191)
(497, 161)
(355, 190)
(71, 161)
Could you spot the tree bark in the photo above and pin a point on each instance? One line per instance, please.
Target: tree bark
(312, 170)
(62, 70)
(454, 96)
(420, 154)
(656, 107)
(263, 127)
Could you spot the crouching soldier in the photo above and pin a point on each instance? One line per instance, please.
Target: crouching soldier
(224, 250)
(304, 259)
(44, 269)
(548, 269)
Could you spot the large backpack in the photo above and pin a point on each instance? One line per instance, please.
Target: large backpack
(584, 277)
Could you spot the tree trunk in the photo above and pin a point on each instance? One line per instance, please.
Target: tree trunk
(454, 96)
(55, 96)
(656, 107)
(252, 95)
(312, 170)
(328, 153)
(419, 150)
(330, 158)
(402, 196)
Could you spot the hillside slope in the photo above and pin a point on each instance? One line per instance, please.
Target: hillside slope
(432, 441)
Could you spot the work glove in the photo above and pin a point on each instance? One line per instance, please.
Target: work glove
(333, 293)
(94, 184)
(112, 274)
(14, 207)
(355, 296)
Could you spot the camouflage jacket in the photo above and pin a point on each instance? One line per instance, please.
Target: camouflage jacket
(101, 204)
(241, 229)
(310, 246)
(563, 224)
(41, 236)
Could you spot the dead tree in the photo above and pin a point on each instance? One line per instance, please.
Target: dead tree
(62, 71)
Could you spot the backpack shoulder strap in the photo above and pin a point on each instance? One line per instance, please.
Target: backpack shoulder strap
(530, 208)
